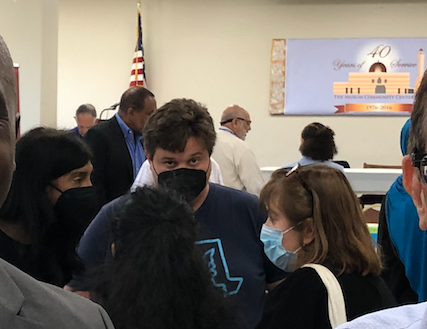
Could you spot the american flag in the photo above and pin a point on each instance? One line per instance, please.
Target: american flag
(137, 76)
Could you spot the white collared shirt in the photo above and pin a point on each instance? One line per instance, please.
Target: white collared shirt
(237, 161)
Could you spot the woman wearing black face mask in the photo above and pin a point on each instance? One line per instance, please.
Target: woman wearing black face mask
(50, 204)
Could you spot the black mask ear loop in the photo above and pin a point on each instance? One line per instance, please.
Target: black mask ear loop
(209, 166)
(154, 168)
(51, 185)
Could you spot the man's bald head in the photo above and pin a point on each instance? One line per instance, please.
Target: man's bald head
(236, 119)
(7, 119)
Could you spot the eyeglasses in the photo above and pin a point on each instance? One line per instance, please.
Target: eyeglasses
(229, 120)
(247, 121)
(303, 183)
(419, 160)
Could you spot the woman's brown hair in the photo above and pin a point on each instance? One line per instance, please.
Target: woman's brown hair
(341, 239)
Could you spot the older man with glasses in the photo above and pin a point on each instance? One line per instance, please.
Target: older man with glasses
(237, 161)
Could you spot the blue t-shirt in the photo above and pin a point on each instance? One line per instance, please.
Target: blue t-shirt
(230, 225)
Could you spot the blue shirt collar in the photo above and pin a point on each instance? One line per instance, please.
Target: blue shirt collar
(127, 132)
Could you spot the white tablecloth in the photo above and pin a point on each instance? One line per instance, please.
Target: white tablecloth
(363, 181)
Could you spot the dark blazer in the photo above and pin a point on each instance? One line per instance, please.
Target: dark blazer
(112, 164)
(26, 303)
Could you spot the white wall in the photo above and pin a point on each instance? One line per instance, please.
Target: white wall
(30, 29)
(20, 26)
(218, 52)
(96, 44)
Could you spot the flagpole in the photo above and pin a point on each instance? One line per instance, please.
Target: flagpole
(138, 6)
(138, 66)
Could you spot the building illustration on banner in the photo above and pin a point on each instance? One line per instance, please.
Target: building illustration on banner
(355, 76)
(379, 81)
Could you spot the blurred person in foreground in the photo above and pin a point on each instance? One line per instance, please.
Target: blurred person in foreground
(415, 182)
(403, 243)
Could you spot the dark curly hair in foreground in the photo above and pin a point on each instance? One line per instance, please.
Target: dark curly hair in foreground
(318, 142)
(158, 278)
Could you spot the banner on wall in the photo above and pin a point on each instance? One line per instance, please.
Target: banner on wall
(345, 76)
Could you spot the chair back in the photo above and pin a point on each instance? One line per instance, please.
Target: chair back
(343, 163)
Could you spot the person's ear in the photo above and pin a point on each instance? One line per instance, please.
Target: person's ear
(417, 189)
(150, 162)
(309, 231)
(130, 111)
(113, 249)
(408, 173)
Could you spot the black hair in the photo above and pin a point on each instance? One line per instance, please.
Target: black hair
(42, 155)
(158, 278)
(318, 142)
(134, 98)
(86, 109)
(174, 123)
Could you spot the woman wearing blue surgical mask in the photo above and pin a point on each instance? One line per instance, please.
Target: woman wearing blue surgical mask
(315, 217)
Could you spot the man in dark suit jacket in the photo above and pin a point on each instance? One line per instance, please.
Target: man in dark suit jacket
(24, 302)
(117, 144)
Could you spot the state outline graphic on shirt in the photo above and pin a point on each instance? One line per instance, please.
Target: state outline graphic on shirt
(233, 284)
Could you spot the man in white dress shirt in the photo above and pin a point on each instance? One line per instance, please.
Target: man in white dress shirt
(415, 182)
(237, 161)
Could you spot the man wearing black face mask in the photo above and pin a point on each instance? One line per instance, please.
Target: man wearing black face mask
(50, 203)
(178, 141)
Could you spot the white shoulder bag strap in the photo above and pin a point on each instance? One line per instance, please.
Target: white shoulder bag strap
(336, 305)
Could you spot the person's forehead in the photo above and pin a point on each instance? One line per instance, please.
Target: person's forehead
(193, 147)
(87, 168)
(150, 104)
(85, 117)
(245, 115)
